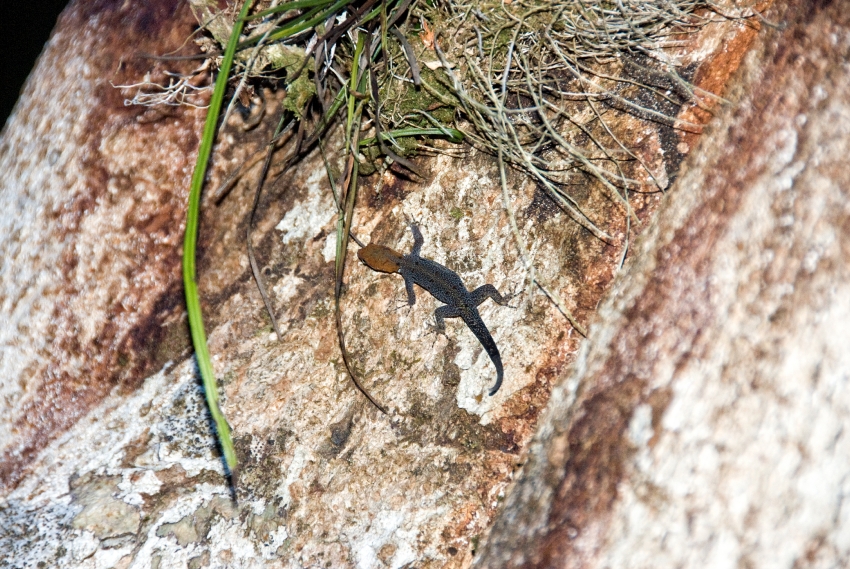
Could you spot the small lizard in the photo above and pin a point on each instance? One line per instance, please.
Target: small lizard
(445, 285)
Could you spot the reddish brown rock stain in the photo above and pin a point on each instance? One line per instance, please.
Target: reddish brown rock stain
(76, 376)
(598, 443)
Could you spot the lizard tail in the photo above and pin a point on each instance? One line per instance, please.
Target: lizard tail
(499, 374)
(480, 330)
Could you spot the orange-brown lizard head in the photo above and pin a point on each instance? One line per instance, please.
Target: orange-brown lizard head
(380, 258)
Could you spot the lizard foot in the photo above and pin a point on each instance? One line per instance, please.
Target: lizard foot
(400, 303)
(508, 297)
(435, 329)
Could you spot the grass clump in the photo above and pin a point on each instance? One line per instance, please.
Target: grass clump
(535, 77)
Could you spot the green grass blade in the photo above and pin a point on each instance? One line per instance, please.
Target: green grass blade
(452, 134)
(193, 302)
(298, 25)
(287, 7)
(352, 88)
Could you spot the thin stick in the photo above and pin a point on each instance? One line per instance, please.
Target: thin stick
(255, 269)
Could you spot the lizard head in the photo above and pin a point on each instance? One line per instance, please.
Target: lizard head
(380, 258)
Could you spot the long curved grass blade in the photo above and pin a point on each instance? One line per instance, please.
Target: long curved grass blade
(193, 302)
(343, 230)
(343, 227)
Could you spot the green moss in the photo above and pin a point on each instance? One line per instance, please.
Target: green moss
(407, 100)
(298, 92)
(299, 89)
(286, 57)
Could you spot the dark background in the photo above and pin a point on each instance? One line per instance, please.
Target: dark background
(24, 29)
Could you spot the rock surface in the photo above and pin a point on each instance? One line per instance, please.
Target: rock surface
(108, 456)
(705, 421)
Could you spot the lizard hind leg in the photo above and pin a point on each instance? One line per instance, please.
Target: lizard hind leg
(486, 291)
(440, 316)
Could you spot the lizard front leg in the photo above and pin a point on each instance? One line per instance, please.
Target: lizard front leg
(408, 286)
(418, 240)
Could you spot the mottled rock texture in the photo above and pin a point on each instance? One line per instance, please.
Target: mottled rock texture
(703, 422)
